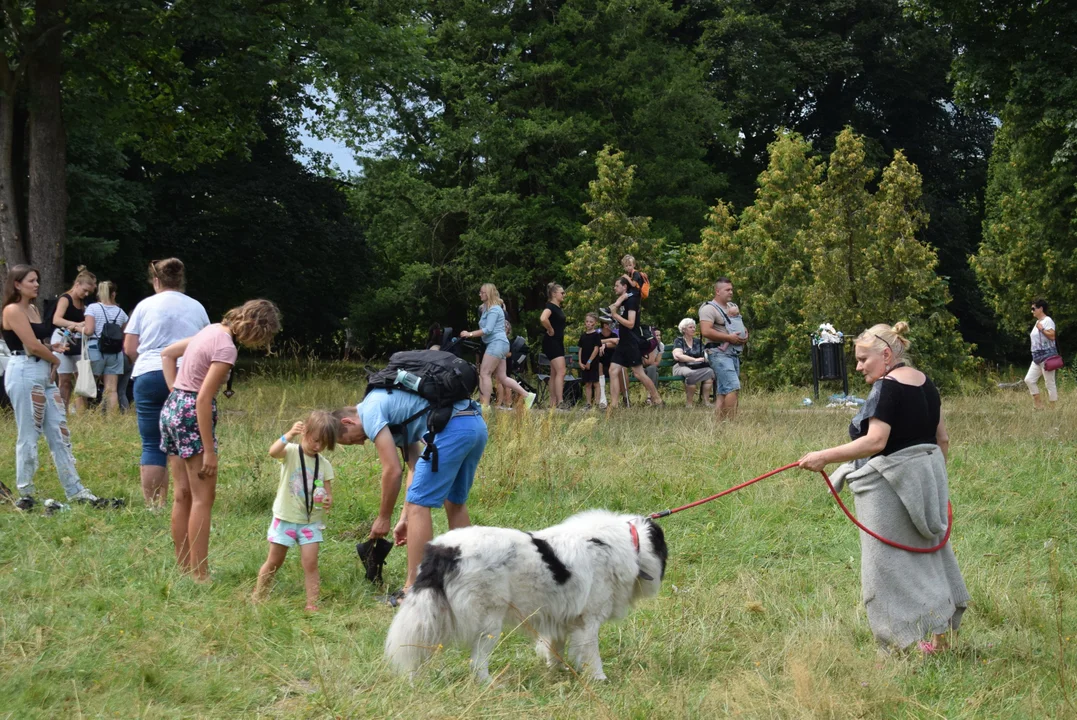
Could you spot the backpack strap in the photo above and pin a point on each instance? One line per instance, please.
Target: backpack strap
(403, 427)
(719, 309)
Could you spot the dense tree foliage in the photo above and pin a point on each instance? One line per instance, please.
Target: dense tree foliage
(133, 128)
(612, 233)
(819, 246)
(1017, 61)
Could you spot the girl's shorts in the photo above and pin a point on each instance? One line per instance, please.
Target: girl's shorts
(179, 425)
(290, 534)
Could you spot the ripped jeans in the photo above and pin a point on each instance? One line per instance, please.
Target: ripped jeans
(38, 409)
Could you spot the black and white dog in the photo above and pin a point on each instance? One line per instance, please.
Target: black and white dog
(561, 583)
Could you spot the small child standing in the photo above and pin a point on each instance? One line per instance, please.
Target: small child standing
(590, 370)
(304, 493)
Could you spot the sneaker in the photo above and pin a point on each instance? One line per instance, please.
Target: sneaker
(529, 400)
(602, 406)
(85, 496)
(54, 506)
(26, 503)
(587, 408)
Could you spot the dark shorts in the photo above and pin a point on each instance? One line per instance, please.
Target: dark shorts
(627, 352)
(553, 347)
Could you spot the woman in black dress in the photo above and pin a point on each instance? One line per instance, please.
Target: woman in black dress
(895, 465)
(553, 342)
(625, 312)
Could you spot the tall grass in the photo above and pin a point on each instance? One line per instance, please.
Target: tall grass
(760, 614)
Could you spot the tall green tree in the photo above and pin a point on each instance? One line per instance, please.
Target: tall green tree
(612, 233)
(823, 247)
(178, 84)
(490, 139)
(766, 257)
(868, 265)
(1017, 61)
(816, 68)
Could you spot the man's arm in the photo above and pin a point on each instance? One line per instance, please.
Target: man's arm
(390, 481)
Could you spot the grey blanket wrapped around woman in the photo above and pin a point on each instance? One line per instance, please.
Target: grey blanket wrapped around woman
(903, 497)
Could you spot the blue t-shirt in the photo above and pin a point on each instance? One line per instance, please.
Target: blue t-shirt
(381, 408)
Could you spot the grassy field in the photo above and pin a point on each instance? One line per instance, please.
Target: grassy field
(759, 617)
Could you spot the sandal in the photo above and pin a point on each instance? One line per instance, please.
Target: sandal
(927, 647)
(394, 599)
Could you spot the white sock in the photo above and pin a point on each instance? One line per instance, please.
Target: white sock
(602, 387)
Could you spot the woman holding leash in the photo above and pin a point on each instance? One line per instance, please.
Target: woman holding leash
(895, 464)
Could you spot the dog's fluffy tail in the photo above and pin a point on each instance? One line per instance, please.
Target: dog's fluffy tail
(425, 619)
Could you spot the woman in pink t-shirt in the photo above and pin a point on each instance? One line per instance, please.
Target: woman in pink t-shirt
(189, 418)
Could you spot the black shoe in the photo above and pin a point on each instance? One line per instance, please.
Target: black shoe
(5, 493)
(26, 503)
(372, 554)
(54, 506)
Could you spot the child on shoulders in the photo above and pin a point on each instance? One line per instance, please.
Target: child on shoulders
(303, 496)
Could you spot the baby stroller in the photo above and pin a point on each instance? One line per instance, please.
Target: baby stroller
(517, 364)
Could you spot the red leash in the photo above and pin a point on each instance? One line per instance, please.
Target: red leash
(880, 538)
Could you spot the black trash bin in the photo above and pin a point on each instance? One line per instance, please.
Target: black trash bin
(830, 361)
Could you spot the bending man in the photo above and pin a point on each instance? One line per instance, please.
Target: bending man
(384, 418)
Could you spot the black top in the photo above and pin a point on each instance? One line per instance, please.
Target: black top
(911, 411)
(42, 331)
(72, 313)
(631, 303)
(557, 321)
(589, 342)
(695, 351)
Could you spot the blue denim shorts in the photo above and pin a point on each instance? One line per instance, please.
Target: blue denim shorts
(498, 349)
(460, 446)
(111, 364)
(726, 370)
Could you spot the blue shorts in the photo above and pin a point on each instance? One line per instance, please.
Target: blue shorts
(290, 534)
(726, 370)
(460, 447)
(111, 364)
(498, 349)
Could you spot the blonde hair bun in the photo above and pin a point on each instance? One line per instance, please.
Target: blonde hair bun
(901, 328)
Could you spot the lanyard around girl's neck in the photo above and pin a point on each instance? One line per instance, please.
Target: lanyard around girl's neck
(308, 493)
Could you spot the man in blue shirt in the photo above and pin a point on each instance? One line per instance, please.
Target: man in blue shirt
(381, 417)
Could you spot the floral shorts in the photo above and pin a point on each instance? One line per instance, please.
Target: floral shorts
(179, 425)
(289, 534)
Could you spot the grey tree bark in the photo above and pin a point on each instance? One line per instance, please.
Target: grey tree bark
(11, 241)
(47, 205)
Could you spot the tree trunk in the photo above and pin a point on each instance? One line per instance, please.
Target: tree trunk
(11, 244)
(47, 206)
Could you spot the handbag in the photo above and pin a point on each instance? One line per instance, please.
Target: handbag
(1053, 363)
(86, 384)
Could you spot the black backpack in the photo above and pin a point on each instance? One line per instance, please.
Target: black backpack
(446, 379)
(110, 337)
